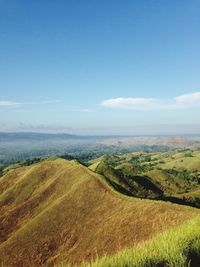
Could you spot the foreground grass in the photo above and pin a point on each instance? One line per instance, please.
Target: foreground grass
(178, 247)
(171, 248)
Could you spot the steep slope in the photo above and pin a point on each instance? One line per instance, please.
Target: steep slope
(175, 247)
(124, 182)
(59, 210)
(153, 175)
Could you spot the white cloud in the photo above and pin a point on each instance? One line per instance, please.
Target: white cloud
(12, 104)
(127, 102)
(188, 99)
(182, 101)
(9, 104)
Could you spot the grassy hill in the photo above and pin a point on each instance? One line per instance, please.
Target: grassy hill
(60, 211)
(172, 176)
(124, 182)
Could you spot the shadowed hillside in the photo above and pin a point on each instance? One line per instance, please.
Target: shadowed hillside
(170, 176)
(59, 210)
(131, 185)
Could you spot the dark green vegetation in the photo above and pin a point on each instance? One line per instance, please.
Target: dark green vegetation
(131, 185)
(169, 176)
(124, 205)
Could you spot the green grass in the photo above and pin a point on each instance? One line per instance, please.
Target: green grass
(122, 180)
(171, 174)
(177, 247)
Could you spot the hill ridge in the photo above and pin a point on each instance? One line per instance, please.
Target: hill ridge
(77, 218)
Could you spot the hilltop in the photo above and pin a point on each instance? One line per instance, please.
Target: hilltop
(59, 210)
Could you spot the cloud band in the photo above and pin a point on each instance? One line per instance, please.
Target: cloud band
(182, 101)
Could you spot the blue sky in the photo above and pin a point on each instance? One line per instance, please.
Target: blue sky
(100, 67)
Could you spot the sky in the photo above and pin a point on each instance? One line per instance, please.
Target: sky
(100, 67)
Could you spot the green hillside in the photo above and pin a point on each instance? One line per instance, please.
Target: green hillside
(131, 185)
(60, 211)
(170, 176)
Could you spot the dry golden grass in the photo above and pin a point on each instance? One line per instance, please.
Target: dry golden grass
(59, 210)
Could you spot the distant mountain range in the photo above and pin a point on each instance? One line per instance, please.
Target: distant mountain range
(48, 136)
(171, 141)
(113, 140)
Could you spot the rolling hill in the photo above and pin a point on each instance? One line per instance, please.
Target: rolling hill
(171, 176)
(60, 211)
(131, 185)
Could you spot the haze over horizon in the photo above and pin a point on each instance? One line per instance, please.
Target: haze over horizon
(100, 67)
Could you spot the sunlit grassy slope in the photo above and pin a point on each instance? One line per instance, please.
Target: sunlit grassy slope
(173, 176)
(60, 211)
(176, 247)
